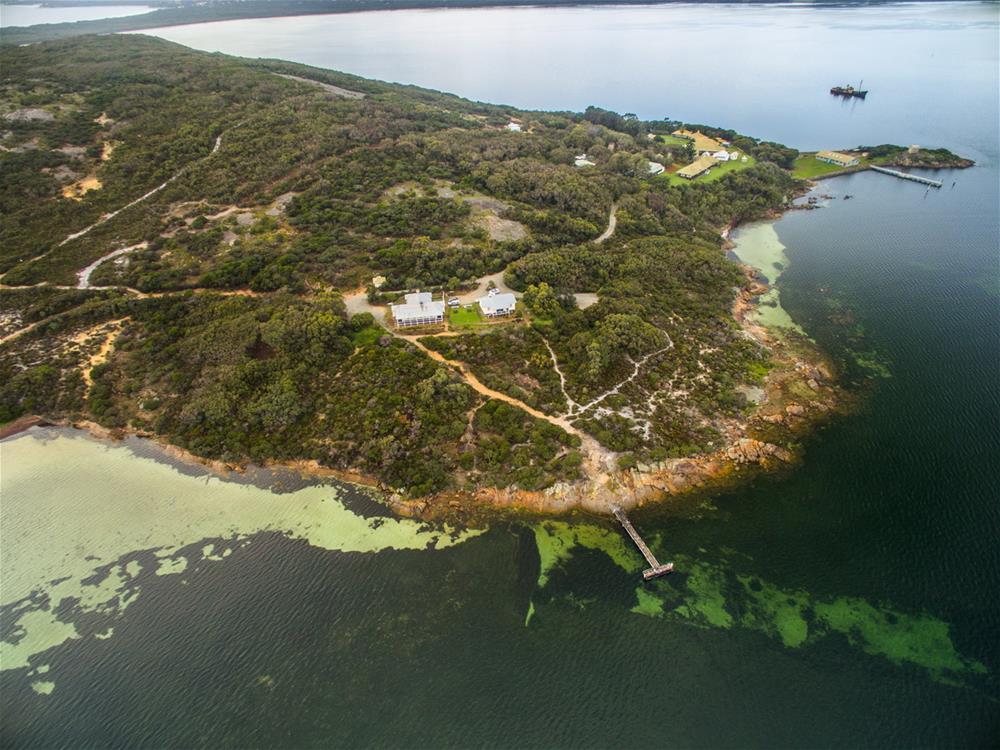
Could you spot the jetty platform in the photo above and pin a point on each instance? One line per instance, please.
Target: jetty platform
(655, 567)
(907, 176)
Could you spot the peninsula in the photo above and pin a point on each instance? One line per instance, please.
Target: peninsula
(259, 261)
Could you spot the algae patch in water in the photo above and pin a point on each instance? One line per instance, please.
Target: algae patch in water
(43, 687)
(648, 604)
(76, 512)
(708, 601)
(556, 540)
(35, 631)
(919, 639)
(710, 595)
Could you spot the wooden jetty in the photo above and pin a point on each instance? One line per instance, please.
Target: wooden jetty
(908, 176)
(655, 567)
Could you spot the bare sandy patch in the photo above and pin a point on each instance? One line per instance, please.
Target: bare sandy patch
(78, 189)
(327, 87)
(501, 230)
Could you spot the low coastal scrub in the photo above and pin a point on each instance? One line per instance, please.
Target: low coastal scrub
(238, 209)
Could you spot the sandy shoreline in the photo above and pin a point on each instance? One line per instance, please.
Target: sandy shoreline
(261, 475)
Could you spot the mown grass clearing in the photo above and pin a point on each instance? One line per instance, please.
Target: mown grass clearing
(808, 166)
(465, 317)
(671, 140)
(715, 173)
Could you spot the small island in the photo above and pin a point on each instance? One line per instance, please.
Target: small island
(466, 304)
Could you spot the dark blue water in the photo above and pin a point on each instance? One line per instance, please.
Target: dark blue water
(881, 551)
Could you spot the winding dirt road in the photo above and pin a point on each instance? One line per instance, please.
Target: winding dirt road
(612, 223)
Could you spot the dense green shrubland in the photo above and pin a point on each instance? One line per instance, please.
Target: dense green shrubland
(404, 183)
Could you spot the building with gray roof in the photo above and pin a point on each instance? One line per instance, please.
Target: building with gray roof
(419, 309)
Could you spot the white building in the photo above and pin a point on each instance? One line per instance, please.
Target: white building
(721, 155)
(420, 309)
(582, 161)
(656, 168)
(497, 304)
(514, 126)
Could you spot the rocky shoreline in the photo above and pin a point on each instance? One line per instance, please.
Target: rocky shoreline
(799, 393)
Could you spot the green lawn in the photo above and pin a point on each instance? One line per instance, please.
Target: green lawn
(462, 317)
(808, 166)
(671, 140)
(715, 173)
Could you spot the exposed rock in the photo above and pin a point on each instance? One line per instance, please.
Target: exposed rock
(795, 410)
(280, 204)
(74, 152)
(62, 173)
(773, 418)
(748, 450)
(29, 115)
(754, 394)
(812, 384)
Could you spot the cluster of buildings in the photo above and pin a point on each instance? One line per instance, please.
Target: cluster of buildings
(710, 152)
(421, 309)
(702, 143)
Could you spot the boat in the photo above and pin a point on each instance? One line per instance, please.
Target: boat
(849, 91)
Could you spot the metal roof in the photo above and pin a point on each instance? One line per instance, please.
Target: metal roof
(494, 302)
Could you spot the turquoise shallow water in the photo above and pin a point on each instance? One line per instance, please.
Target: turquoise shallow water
(850, 602)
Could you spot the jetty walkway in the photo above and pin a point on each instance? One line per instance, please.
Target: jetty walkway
(655, 567)
(907, 176)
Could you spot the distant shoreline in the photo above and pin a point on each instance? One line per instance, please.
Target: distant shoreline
(187, 12)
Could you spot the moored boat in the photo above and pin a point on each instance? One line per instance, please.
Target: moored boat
(848, 91)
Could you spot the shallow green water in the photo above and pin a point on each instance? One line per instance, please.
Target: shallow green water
(76, 512)
(758, 246)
